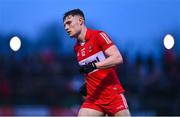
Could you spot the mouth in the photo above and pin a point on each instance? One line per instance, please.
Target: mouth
(68, 32)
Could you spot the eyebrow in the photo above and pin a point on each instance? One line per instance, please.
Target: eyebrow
(67, 22)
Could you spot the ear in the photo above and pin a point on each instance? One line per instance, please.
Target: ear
(81, 20)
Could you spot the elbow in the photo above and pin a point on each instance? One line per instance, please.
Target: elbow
(119, 60)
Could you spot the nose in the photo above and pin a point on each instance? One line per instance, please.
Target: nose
(66, 27)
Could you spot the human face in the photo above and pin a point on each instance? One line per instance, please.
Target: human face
(72, 25)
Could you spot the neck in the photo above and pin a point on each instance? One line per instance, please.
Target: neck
(81, 36)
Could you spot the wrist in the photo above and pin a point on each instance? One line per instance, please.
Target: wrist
(94, 65)
(87, 68)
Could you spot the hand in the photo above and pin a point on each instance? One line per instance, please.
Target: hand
(87, 68)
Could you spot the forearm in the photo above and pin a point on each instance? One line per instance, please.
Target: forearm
(110, 62)
(113, 58)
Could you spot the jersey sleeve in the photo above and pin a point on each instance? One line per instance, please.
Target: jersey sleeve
(104, 41)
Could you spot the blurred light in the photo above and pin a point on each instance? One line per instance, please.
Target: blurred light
(15, 43)
(168, 41)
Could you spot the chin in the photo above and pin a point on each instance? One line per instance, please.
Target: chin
(72, 36)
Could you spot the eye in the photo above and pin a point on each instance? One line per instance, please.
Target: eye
(68, 23)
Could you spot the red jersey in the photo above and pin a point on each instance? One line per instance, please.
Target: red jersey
(100, 82)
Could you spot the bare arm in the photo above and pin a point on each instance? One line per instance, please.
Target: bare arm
(113, 58)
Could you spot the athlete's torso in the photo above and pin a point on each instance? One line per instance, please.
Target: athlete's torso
(100, 82)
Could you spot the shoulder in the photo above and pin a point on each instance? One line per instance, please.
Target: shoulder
(97, 32)
(101, 35)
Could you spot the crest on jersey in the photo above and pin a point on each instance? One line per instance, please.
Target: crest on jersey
(90, 48)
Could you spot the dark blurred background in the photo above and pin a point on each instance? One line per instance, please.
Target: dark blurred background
(42, 78)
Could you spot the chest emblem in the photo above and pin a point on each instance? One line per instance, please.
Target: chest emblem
(90, 48)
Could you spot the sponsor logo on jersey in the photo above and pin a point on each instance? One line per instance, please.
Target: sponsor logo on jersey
(99, 56)
(83, 52)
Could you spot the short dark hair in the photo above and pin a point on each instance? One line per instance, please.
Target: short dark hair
(74, 12)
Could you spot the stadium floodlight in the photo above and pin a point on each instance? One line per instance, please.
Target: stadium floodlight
(15, 43)
(169, 41)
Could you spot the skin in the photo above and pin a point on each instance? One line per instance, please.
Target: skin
(76, 28)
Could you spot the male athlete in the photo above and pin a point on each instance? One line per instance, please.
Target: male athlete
(98, 58)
